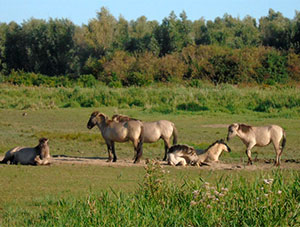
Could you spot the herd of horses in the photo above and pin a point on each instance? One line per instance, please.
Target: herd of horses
(122, 128)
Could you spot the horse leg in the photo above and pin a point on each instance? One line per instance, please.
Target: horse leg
(248, 153)
(278, 153)
(138, 151)
(109, 152)
(167, 146)
(113, 151)
(182, 162)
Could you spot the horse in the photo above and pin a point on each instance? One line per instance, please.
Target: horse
(112, 131)
(38, 155)
(259, 136)
(184, 154)
(154, 131)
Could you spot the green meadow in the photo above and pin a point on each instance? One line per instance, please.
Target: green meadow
(93, 195)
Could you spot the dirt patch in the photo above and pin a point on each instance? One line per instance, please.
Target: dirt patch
(102, 161)
(259, 165)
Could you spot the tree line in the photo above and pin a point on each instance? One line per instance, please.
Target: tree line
(138, 52)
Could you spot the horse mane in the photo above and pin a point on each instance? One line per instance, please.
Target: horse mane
(184, 148)
(122, 118)
(95, 113)
(214, 143)
(244, 128)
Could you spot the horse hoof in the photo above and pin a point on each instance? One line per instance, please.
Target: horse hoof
(109, 160)
(115, 160)
(136, 161)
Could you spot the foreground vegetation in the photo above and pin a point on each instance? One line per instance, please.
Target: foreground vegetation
(267, 199)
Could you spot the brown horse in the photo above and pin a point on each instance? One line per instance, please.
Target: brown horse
(153, 131)
(38, 155)
(118, 132)
(259, 136)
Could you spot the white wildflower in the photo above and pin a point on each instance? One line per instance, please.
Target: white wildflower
(193, 203)
(279, 192)
(196, 192)
(268, 181)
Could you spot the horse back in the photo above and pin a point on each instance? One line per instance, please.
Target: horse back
(124, 131)
(25, 155)
(266, 134)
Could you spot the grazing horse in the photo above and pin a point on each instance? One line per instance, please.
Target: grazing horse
(184, 154)
(38, 155)
(112, 132)
(153, 131)
(259, 136)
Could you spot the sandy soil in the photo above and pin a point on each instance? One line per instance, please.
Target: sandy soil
(259, 165)
(102, 161)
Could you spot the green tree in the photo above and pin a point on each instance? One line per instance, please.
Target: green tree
(50, 46)
(296, 33)
(13, 52)
(275, 30)
(101, 33)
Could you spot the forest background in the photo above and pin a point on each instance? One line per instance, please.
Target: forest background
(118, 53)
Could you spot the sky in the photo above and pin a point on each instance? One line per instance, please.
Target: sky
(81, 11)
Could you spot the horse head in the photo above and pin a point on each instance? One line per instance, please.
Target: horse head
(232, 130)
(225, 146)
(96, 117)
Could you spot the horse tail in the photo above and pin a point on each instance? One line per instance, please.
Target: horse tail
(175, 135)
(283, 141)
(140, 145)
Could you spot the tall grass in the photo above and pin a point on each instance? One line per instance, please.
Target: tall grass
(270, 199)
(284, 101)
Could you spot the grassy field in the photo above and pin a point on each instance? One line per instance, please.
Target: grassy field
(47, 195)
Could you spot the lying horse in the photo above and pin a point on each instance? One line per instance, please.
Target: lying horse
(113, 131)
(259, 136)
(38, 155)
(184, 154)
(153, 131)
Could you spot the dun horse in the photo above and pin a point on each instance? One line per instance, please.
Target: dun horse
(38, 155)
(153, 131)
(259, 136)
(112, 132)
(184, 154)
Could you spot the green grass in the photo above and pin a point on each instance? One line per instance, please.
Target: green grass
(98, 195)
(168, 199)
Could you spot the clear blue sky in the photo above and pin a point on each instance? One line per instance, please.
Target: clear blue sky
(81, 11)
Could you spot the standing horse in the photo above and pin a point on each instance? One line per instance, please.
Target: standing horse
(153, 131)
(259, 136)
(184, 154)
(38, 155)
(118, 132)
